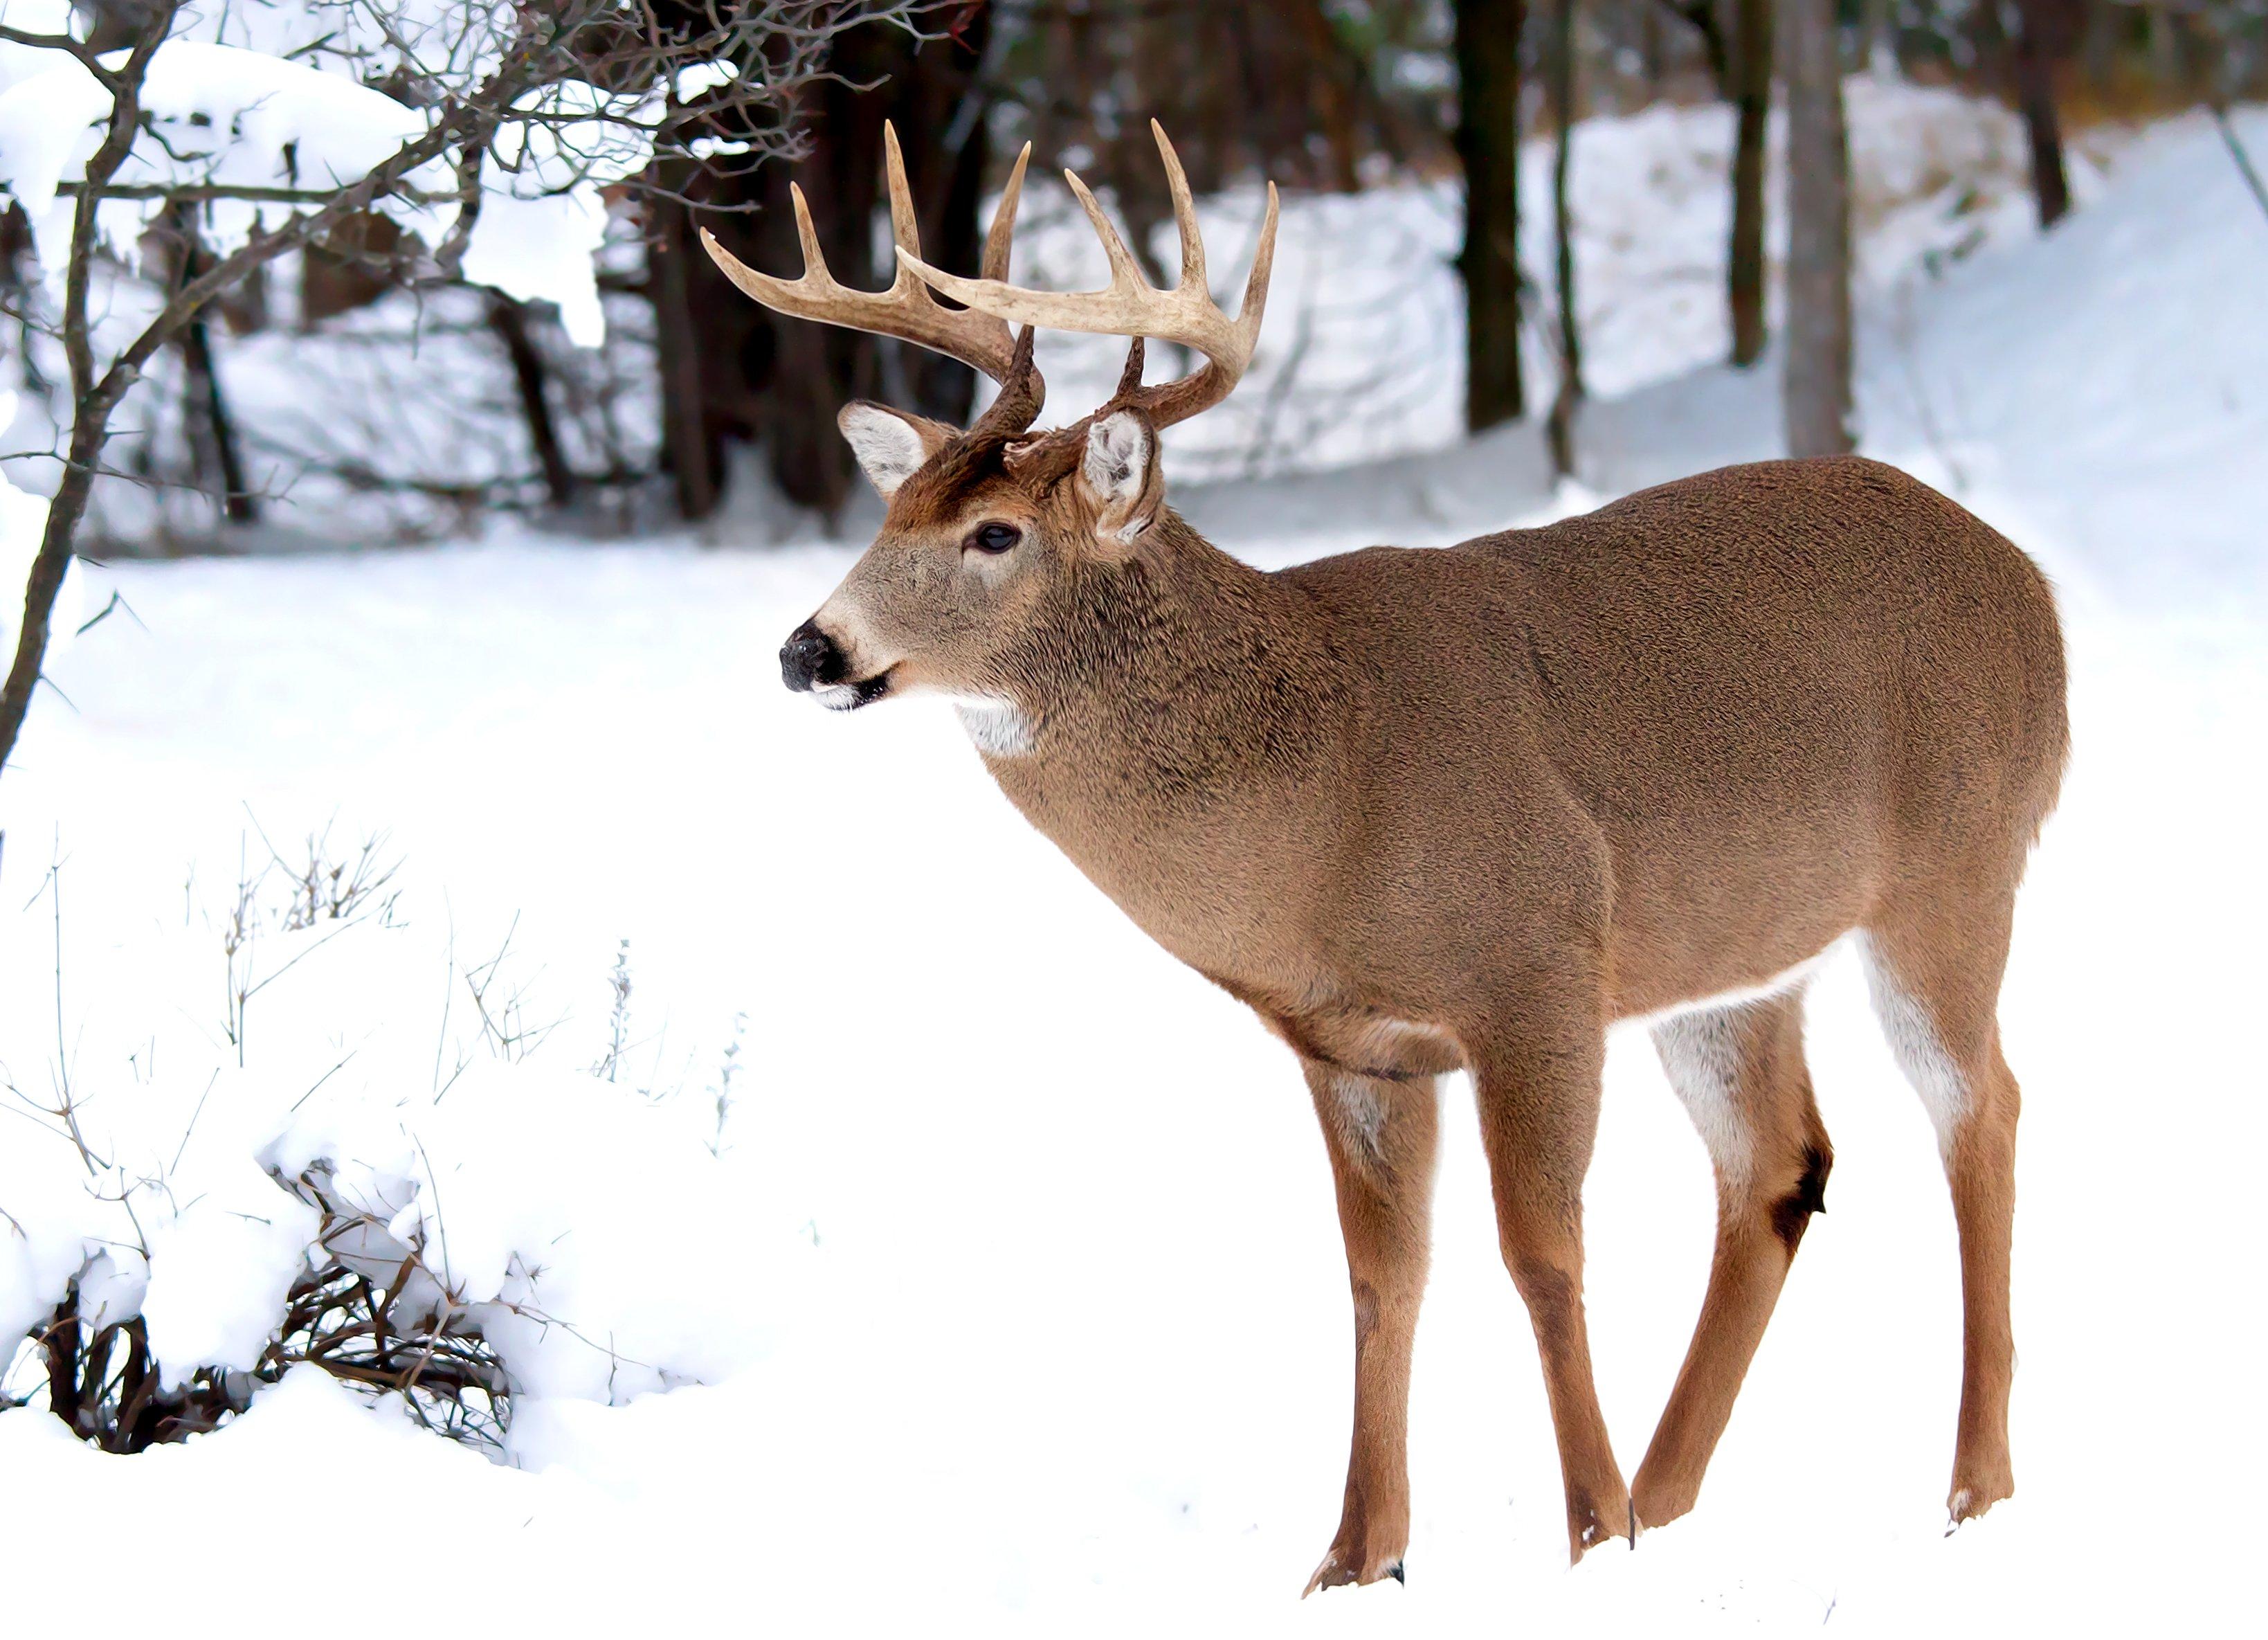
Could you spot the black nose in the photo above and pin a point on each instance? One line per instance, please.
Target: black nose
(809, 656)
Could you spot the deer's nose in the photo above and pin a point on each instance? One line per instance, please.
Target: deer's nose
(809, 656)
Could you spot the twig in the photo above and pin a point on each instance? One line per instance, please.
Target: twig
(2236, 152)
(202, 193)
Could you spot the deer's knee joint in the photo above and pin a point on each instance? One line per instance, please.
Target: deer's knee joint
(1793, 1210)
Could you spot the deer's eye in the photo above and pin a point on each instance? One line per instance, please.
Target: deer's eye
(994, 538)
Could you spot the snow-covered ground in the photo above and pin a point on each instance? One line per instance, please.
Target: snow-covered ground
(1026, 1310)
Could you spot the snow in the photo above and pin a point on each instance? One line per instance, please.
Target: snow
(1014, 1301)
(216, 1279)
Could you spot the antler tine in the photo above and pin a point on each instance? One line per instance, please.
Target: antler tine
(994, 265)
(815, 260)
(1129, 305)
(1255, 284)
(903, 229)
(906, 310)
(1125, 272)
(1185, 213)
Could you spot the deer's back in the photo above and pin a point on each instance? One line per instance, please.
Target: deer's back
(1768, 694)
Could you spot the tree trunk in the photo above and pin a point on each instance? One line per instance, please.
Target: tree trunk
(207, 405)
(2043, 30)
(1818, 404)
(1751, 75)
(509, 320)
(1488, 141)
(90, 430)
(238, 504)
(689, 448)
(1569, 394)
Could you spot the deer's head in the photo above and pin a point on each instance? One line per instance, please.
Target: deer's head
(988, 531)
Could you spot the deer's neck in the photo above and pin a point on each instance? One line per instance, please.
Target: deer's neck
(1177, 732)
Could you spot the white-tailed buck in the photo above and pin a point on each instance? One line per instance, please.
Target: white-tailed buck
(1432, 809)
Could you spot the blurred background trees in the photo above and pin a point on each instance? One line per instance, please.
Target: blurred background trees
(700, 395)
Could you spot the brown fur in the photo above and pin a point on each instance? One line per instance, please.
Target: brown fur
(1425, 810)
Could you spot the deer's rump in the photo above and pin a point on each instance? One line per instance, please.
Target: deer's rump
(1768, 696)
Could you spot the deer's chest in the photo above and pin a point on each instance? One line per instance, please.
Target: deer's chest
(1221, 880)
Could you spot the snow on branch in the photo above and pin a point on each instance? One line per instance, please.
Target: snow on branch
(551, 113)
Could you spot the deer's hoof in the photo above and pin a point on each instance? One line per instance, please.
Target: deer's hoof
(1340, 1566)
(1968, 1502)
(1588, 1526)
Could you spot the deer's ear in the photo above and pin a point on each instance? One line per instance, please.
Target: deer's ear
(1120, 476)
(889, 444)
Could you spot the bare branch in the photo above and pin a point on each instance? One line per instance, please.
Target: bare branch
(78, 50)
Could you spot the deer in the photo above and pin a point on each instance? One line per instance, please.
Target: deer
(1426, 810)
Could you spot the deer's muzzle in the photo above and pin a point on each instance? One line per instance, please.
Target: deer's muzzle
(810, 658)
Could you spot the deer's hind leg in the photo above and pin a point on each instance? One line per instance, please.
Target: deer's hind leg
(1934, 968)
(1740, 1071)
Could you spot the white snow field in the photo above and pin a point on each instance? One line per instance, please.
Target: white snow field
(1015, 1301)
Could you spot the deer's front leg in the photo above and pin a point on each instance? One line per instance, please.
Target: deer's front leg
(1537, 1086)
(1381, 1138)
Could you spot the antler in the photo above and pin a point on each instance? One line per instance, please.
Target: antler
(1130, 306)
(906, 310)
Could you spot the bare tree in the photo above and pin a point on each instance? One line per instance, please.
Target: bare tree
(2045, 32)
(491, 76)
(1741, 62)
(1818, 403)
(1488, 140)
(1751, 69)
(1561, 68)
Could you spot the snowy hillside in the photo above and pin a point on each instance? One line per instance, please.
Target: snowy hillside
(1007, 1294)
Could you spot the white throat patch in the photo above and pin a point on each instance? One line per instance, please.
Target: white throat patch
(997, 728)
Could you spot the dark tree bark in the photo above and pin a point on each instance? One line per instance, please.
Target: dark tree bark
(216, 452)
(1742, 66)
(1331, 84)
(1749, 67)
(691, 441)
(509, 320)
(1702, 14)
(60, 1343)
(210, 405)
(1569, 394)
(1818, 405)
(2045, 30)
(1488, 141)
